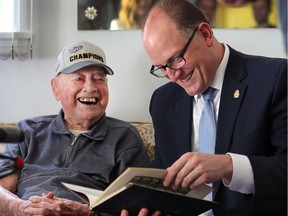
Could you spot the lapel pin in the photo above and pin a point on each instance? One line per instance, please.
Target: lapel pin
(236, 94)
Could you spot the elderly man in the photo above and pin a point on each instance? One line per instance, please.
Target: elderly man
(80, 145)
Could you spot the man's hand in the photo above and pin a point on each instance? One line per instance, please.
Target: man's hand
(194, 168)
(50, 205)
(142, 212)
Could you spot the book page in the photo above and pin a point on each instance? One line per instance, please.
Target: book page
(108, 196)
(157, 183)
(91, 194)
(200, 192)
(150, 177)
(128, 174)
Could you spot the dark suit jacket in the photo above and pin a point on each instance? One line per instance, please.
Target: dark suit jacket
(255, 125)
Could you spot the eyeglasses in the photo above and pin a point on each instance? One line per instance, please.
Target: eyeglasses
(175, 63)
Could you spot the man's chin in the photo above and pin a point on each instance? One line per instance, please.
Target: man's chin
(191, 91)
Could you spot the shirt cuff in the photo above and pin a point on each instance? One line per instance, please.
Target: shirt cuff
(242, 177)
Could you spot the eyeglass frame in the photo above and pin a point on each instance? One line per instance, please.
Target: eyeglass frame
(181, 55)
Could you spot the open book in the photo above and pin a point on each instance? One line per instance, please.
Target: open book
(137, 188)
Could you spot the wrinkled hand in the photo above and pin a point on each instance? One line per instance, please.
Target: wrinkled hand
(18, 207)
(142, 212)
(194, 168)
(50, 205)
(27, 208)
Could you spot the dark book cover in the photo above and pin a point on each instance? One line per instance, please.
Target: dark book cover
(134, 197)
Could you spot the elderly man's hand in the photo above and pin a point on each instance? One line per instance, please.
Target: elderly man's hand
(50, 205)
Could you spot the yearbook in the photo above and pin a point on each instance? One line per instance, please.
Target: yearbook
(138, 188)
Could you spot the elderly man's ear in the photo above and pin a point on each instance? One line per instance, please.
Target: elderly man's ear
(55, 89)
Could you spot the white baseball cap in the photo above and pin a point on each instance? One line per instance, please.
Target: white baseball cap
(79, 55)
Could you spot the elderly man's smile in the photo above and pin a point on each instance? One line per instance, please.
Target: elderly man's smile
(88, 100)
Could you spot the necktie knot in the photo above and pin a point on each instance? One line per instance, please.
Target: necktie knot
(208, 94)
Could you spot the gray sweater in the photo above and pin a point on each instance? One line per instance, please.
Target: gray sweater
(94, 159)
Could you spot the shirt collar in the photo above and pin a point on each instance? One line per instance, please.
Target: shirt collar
(97, 132)
(219, 76)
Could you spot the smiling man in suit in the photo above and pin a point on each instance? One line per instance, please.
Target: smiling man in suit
(248, 162)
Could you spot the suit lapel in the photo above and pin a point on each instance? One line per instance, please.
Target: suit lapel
(183, 118)
(233, 92)
(231, 99)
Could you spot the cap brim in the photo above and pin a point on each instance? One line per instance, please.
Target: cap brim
(83, 64)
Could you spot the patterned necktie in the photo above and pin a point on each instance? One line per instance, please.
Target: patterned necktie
(207, 131)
